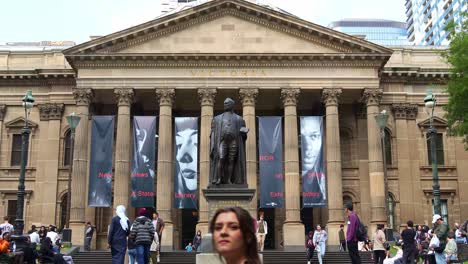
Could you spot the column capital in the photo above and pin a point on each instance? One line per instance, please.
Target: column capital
(412, 111)
(289, 96)
(50, 111)
(372, 96)
(207, 96)
(83, 96)
(331, 96)
(166, 96)
(124, 96)
(248, 96)
(400, 110)
(2, 111)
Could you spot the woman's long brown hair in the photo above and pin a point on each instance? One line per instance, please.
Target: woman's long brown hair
(246, 224)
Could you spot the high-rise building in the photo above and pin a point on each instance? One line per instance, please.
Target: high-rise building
(379, 31)
(427, 20)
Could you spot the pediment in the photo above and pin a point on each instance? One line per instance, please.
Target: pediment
(436, 121)
(227, 26)
(18, 124)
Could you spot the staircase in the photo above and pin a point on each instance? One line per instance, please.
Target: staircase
(269, 257)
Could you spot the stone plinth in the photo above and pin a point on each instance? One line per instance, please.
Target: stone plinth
(222, 196)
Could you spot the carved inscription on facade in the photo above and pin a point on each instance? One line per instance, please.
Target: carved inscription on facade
(228, 73)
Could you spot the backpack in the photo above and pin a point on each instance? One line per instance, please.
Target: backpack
(361, 231)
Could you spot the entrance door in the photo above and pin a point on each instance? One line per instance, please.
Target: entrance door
(307, 218)
(189, 223)
(269, 216)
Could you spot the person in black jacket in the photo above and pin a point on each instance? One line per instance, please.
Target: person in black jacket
(310, 247)
(48, 254)
(143, 230)
(409, 243)
(118, 232)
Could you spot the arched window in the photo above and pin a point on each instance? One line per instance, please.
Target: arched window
(347, 199)
(391, 210)
(66, 149)
(388, 147)
(63, 211)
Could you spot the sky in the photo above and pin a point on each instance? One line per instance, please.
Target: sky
(77, 20)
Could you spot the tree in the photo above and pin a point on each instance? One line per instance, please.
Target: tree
(457, 56)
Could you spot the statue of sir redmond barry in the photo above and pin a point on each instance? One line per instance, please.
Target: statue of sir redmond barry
(227, 147)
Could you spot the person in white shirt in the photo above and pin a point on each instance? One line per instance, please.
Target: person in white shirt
(53, 235)
(6, 226)
(262, 231)
(34, 237)
(320, 236)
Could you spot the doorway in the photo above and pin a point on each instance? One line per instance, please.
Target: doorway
(269, 216)
(189, 223)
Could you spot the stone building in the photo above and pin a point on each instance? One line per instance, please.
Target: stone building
(185, 64)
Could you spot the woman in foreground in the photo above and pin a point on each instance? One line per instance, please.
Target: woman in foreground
(234, 236)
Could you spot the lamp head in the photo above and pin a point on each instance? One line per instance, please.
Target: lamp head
(28, 100)
(429, 101)
(73, 120)
(381, 119)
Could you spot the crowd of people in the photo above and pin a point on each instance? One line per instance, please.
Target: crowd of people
(42, 244)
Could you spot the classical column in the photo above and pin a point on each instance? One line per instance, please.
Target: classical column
(248, 97)
(165, 165)
(376, 175)
(2, 117)
(293, 229)
(124, 97)
(83, 98)
(334, 180)
(207, 99)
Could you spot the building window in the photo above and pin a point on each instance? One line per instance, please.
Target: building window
(66, 149)
(63, 211)
(391, 210)
(388, 147)
(16, 150)
(11, 211)
(439, 149)
(443, 209)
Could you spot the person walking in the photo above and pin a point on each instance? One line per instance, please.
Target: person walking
(143, 230)
(409, 243)
(441, 231)
(118, 232)
(310, 246)
(131, 247)
(451, 251)
(351, 234)
(342, 237)
(197, 240)
(262, 231)
(42, 233)
(379, 241)
(320, 237)
(88, 236)
(158, 224)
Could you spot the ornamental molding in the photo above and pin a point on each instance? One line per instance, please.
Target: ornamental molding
(411, 111)
(331, 96)
(400, 111)
(290, 96)
(50, 111)
(17, 124)
(2, 111)
(124, 96)
(248, 96)
(83, 96)
(372, 96)
(207, 96)
(166, 96)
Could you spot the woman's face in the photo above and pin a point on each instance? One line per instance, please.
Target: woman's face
(319, 228)
(227, 235)
(187, 146)
(312, 138)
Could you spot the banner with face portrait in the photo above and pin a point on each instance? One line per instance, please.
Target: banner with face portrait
(270, 159)
(100, 162)
(186, 162)
(314, 192)
(144, 152)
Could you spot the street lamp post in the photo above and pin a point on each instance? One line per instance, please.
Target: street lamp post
(73, 121)
(28, 103)
(430, 103)
(381, 120)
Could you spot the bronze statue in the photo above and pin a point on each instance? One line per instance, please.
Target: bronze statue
(227, 147)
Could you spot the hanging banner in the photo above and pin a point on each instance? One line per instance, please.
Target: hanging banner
(144, 151)
(186, 163)
(100, 162)
(270, 159)
(314, 192)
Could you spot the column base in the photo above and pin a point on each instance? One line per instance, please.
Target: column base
(78, 231)
(294, 236)
(167, 243)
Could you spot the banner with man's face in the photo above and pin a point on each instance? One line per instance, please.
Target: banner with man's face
(314, 192)
(270, 159)
(100, 162)
(186, 163)
(144, 152)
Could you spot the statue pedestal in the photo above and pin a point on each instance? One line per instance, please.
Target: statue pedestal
(224, 196)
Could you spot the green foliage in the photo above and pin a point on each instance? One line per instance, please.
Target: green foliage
(457, 57)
